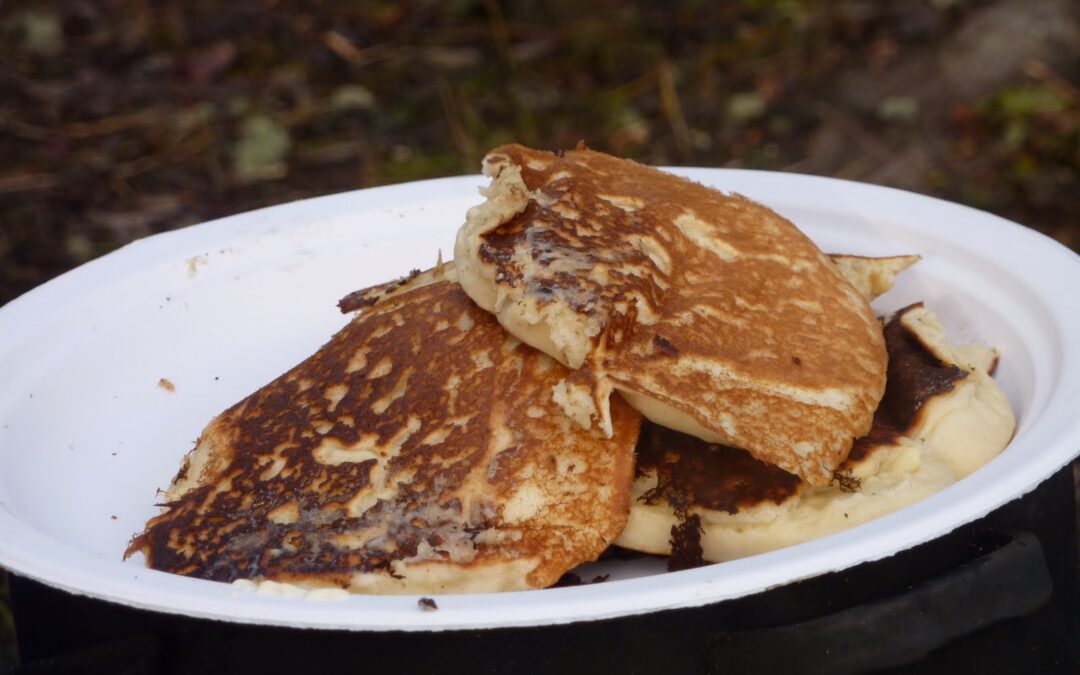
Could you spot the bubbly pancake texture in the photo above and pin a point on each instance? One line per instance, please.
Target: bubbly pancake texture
(941, 418)
(710, 313)
(419, 451)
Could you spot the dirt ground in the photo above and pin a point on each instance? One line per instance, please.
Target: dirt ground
(123, 118)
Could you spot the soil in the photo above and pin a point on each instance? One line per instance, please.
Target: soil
(125, 118)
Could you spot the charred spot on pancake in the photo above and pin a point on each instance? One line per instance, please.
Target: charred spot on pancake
(368, 297)
(615, 552)
(914, 375)
(879, 435)
(574, 579)
(846, 481)
(356, 300)
(663, 346)
(686, 550)
(182, 473)
(691, 472)
(498, 249)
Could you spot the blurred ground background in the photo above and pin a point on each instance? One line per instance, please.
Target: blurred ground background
(122, 118)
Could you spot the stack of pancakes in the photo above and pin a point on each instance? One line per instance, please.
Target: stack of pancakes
(478, 427)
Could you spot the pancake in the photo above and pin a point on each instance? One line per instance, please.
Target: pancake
(709, 313)
(419, 451)
(942, 417)
(872, 276)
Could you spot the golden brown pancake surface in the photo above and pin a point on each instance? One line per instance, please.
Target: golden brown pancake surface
(418, 451)
(710, 313)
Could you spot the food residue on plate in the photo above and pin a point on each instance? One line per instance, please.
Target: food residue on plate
(193, 264)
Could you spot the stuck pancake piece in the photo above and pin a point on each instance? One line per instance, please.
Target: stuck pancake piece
(419, 451)
(709, 313)
(942, 417)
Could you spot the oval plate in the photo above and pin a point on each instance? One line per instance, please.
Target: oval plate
(111, 371)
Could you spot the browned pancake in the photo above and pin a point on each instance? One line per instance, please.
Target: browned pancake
(743, 506)
(419, 451)
(710, 313)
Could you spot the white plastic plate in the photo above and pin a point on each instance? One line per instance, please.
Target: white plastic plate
(87, 432)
